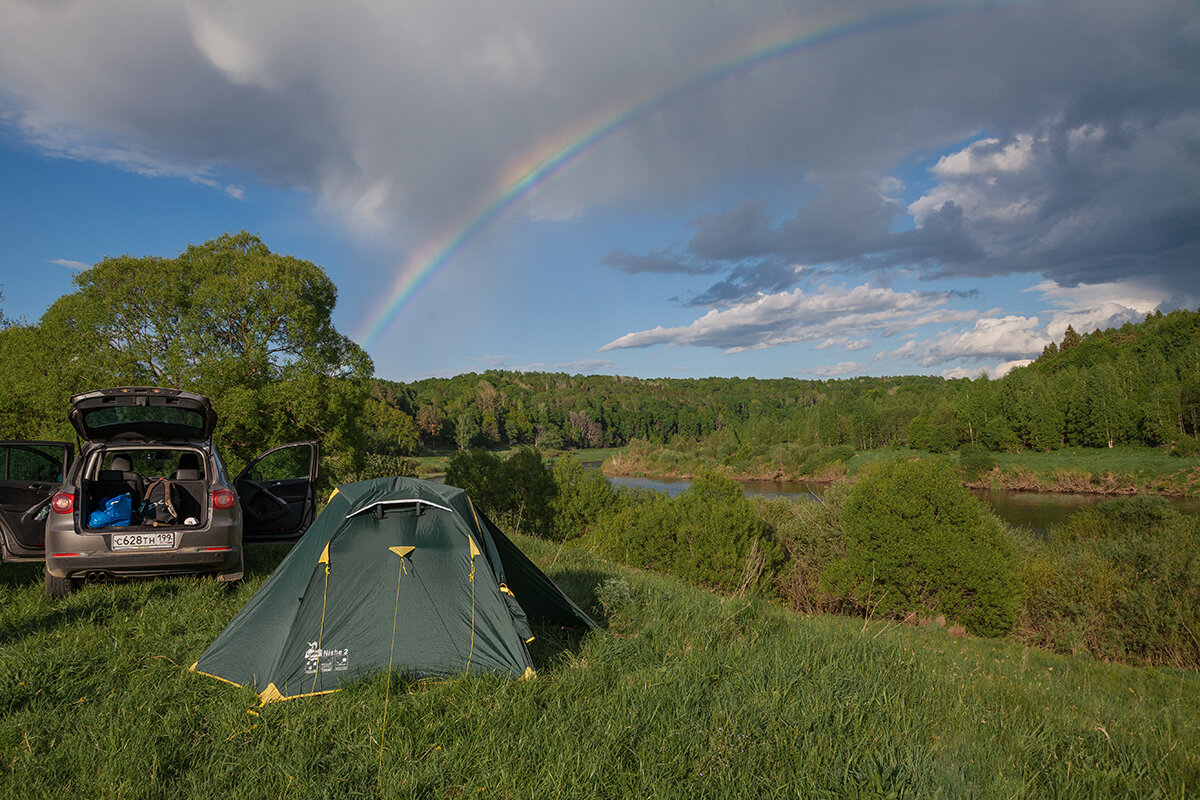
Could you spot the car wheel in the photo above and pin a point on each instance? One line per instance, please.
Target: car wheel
(230, 581)
(59, 587)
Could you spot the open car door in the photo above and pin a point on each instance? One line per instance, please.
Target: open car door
(278, 492)
(30, 472)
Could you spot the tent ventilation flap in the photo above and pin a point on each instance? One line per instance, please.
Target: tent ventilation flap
(383, 505)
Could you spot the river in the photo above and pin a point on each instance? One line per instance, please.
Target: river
(1032, 510)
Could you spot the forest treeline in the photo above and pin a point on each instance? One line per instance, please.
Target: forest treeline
(1134, 385)
(253, 330)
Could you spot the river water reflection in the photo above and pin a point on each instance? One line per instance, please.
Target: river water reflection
(1033, 510)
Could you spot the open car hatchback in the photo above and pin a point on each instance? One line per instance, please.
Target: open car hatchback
(148, 494)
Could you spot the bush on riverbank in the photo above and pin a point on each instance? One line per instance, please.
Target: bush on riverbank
(516, 491)
(582, 498)
(1120, 581)
(709, 534)
(813, 537)
(919, 543)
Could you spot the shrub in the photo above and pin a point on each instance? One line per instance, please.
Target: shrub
(812, 537)
(517, 491)
(1186, 447)
(380, 465)
(1120, 581)
(974, 460)
(708, 534)
(826, 457)
(581, 497)
(918, 542)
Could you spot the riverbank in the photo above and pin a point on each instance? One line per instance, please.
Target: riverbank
(1115, 472)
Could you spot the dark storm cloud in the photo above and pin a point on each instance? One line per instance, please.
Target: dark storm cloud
(659, 262)
(1091, 202)
(849, 228)
(406, 119)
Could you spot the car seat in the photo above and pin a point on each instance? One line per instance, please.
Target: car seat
(135, 482)
(188, 468)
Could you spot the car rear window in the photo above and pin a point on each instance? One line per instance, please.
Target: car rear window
(117, 417)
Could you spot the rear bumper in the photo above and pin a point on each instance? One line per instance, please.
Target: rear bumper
(214, 549)
(125, 564)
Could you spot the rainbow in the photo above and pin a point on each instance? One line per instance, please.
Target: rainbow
(552, 157)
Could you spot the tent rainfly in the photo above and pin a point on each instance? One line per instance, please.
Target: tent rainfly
(395, 573)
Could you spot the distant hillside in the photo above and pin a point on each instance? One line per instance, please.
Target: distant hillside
(1138, 385)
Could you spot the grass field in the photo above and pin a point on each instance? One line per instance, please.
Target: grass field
(686, 694)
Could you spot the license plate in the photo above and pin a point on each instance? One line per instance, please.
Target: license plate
(143, 541)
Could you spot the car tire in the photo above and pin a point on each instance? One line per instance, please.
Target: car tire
(232, 580)
(59, 587)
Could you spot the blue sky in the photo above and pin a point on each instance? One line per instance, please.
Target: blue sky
(815, 190)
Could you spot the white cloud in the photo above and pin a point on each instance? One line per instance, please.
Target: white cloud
(996, 371)
(986, 157)
(586, 366)
(840, 368)
(1088, 306)
(991, 337)
(772, 320)
(1011, 339)
(70, 264)
(985, 180)
(844, 343)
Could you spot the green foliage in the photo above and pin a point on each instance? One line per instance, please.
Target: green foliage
(1136, 385)
(997, 435)
(921, 544)
(824, 457)
(708, 534)
(1120, 581)
(974, 460)
(1186, 447)
(37, 376)
(389, 430)
(919, 432)
(581, 498)
(517, 492)
(250, 329)
(379, 465)
(813, 537)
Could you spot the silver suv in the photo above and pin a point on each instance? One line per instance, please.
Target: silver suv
(194, 521)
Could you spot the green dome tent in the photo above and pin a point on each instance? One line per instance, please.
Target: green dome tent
(395, 573)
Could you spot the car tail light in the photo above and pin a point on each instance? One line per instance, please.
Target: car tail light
(223, 498)
(63, 503)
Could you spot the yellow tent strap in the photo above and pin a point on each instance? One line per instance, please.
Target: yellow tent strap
(324, 600)
(471, 578)
(391, 651)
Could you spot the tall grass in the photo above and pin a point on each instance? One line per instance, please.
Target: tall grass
(685, 694)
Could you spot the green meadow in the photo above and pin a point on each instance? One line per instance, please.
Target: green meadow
(685, 693)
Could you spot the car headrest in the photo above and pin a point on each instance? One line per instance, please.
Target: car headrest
(121, 464)
(188, 461)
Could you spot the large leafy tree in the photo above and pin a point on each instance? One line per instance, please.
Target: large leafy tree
(249, 328)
